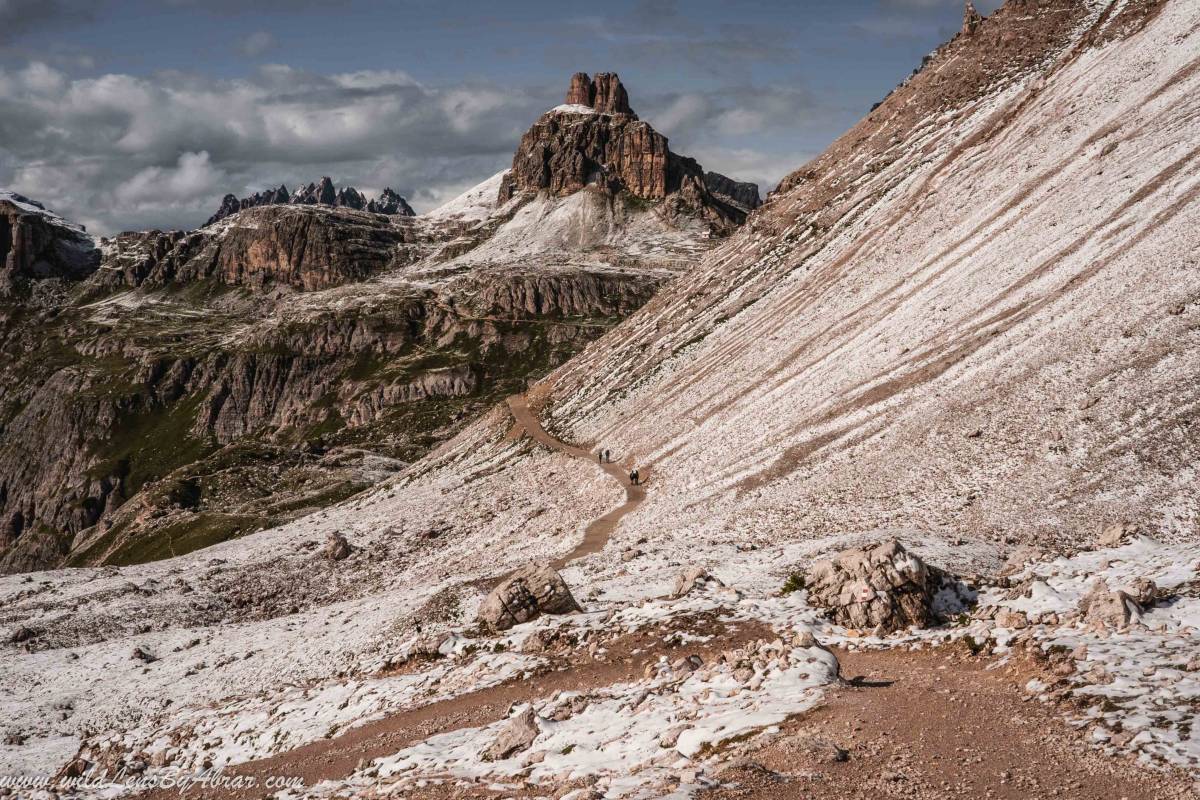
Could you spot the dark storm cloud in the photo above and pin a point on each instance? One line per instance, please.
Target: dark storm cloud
(20, 17)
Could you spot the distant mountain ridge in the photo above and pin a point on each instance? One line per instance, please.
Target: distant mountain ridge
(322, 193)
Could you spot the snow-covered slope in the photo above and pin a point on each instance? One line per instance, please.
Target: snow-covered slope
(990, 327)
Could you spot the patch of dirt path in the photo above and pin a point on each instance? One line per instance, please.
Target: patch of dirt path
(938, 724)
(570, 670)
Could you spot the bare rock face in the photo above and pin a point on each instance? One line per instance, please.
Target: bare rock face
(611, 149)
(392, 204)
(742, 194)
(882, 587)
(608, 95)
(515, 737)
(531, 591)
(581, 90)
(306, 247)
(35, 245)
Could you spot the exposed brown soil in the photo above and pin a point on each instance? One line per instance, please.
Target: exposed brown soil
(937, 724)
(625, 659)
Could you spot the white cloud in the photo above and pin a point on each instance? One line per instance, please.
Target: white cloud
(256, 44)
(191, 177)
(159, 151)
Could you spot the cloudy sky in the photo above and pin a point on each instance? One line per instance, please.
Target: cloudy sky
(126, 114)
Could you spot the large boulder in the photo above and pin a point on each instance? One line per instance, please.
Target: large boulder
(882, 588)
(531, 591)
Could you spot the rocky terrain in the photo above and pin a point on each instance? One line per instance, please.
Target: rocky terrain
(198, 385)
(918, 514)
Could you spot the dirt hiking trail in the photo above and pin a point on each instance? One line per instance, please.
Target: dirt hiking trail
(600, 529)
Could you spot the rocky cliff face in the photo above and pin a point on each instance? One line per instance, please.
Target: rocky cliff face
(595, 139)
(302, 347)
(741, 194)
(35, 245)
(322, 194)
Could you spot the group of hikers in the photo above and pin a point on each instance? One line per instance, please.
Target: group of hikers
(635, 477)
(605, 456)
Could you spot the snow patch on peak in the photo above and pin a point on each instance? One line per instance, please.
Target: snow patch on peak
(573, 108)
(476, 203)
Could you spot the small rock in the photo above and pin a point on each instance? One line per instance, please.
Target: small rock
(1104, 609)
(336, 547)
(671, 736)
(884, 587)
(22, 634)
(514, 737)
(1117, 534)
(690, 579)
(1143, 591)
(823, 750)
(142, 654)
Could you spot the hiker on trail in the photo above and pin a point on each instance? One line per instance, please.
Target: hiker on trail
(633, 478)
(608, 456)
(600, 455)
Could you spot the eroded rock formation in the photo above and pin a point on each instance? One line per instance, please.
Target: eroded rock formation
(608, 147)
(314, 194)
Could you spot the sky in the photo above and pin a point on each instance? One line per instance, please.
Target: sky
(135, 114)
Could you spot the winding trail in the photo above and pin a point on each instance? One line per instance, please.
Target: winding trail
(600, 529)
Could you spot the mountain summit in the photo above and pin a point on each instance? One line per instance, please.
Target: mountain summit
(595, 139)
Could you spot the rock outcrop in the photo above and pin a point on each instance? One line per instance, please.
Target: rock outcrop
(531, 591)
(883, 588)
(971, 18)
(597, 140)
(35, 245)
(316, 194)
(742, 194)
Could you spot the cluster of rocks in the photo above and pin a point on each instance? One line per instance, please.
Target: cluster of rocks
(531, 591)
(316, 194)
(883, 588)
(747, 664)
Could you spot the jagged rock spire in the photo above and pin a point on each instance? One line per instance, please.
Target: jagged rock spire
(605, 93)
(971, 18)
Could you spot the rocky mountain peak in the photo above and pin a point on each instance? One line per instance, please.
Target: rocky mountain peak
(568, 149)
(971, 18)
(605, 93)
(323, 193)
